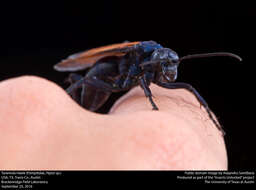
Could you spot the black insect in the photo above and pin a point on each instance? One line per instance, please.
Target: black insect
(120, 67)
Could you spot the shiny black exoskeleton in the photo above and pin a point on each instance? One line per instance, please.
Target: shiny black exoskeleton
(144, 63)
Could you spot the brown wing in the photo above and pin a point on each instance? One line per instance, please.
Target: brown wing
(86, 59)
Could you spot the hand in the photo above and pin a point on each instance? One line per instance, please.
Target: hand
(41, 127)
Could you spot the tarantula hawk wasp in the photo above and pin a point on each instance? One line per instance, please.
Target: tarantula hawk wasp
(120, 67)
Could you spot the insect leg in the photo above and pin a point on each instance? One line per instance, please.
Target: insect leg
(179, 85)
(92, 82)
(75, 86)
(83, 94)
(95, 92)
(147, 92)
(72, 79)
(97, 83)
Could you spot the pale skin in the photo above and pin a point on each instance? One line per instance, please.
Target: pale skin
(42, 128)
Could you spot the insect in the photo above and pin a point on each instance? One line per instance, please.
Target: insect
(120, 67)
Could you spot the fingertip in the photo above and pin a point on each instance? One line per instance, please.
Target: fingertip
(180, 109)
(30, 98)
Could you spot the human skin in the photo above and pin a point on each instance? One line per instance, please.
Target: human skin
(42, 128)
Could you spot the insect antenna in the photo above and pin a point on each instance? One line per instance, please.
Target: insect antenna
(216, 54)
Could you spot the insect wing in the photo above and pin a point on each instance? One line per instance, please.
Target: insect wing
(86, 59)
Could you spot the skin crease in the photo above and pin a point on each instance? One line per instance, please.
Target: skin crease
(42, 128)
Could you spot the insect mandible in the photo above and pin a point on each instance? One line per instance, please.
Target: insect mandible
(120, 67)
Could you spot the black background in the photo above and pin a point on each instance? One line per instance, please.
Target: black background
(37, 35)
